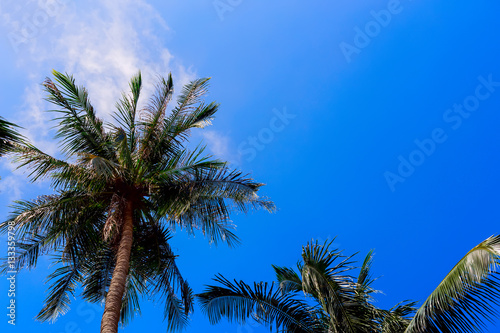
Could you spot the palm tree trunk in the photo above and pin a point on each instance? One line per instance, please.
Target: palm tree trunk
(111, 316)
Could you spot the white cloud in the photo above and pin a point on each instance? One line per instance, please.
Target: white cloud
(220, 146)
(103, 43)
(11, 187)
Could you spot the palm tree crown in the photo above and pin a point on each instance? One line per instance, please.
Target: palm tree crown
(119, 190)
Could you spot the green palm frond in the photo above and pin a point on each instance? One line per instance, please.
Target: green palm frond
(98, 270)
(152, 123)
(9, 136)
(364, 277)
(79, 128)
(130, 303)
(183, 119)
(44, 224)
(27, 253)
(154, 261)
(365, 280)
(324, 276)
(396, 319)
(58, 300)
(41, 165)
(127, 110)
(219, 182)
(211, 217)
(466, 297)
(191, 95)
(238, 301)
(174, 311)
(288, 279)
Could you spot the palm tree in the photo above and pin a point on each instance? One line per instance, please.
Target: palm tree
(119, 190)
(336, 302)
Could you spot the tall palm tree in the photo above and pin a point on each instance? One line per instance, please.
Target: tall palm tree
(337, 302)
(119, 190)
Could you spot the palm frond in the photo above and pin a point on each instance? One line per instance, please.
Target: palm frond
(9, 136)
(127, 109)
(191, 94)
(397, 318)
(238, 301)
(99, 269)
(212, 183)
(79, 127)
(130, 302)
(288, 279)
(211, 217)
(323, 276)
(174, 311)
(466, 297)
(181, 121)
(152, 123)
(58, 300)
(39, 163)
(365, 280)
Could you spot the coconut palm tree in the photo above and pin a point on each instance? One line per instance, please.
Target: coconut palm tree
(119, 190)
(337, 302)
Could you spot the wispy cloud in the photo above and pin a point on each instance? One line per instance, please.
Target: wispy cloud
(11, 187)
(220, 146)
(101, 42)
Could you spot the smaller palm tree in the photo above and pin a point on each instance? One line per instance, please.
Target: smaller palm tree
(336, 301)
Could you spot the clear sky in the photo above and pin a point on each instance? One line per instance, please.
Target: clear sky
(376, 122)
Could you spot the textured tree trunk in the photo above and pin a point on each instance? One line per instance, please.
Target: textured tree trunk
(111, 316)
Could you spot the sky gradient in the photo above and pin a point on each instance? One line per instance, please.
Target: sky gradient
(375, 122)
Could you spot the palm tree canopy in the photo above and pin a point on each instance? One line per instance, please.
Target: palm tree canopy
(141, 160)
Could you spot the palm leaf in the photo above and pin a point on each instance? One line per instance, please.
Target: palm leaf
(466, 297)
(238, 301)
(127, 109)
(323, 276)
(8, 136)
(288, 279)
(79, 127)
(58, 300)
(397, 318)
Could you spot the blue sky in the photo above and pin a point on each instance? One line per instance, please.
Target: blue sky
(328, 103)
